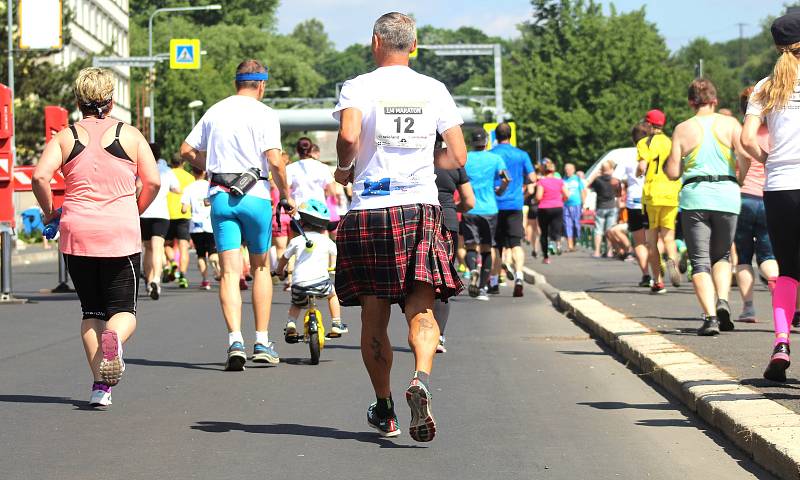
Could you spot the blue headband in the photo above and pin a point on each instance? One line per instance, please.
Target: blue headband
(249, 77)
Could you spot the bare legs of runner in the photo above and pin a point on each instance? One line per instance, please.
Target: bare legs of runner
(91, 330)
(231, 297)
(423, 335)
(668, 237)
(710, 287)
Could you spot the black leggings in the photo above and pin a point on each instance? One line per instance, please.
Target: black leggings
(783, 224)
(550, 222)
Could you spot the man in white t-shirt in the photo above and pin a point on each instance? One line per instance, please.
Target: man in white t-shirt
(236, 136)
(195, 200)
(154, 224)
(391, 247)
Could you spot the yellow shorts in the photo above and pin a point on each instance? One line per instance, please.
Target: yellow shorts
(661, 217)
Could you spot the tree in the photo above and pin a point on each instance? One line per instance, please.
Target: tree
(716, 67)
(580, 79)
(311, 33)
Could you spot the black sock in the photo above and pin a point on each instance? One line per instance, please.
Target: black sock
(385, 407)
(486, 268)
(472, 260)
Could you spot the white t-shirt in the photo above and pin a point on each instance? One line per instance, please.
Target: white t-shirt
(311, 265)
(308, 179)
(159, 209)
(626, 172)
(195, 196)
(783, 162)
(235, 133)
(401, 112)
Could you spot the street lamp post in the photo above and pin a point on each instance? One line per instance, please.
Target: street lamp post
(150, 54)
(194, 105)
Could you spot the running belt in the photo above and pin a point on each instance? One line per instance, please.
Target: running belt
(710, 178)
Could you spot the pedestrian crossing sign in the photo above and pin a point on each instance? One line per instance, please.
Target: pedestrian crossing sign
(184, 53)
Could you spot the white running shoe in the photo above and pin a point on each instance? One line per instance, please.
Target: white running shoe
(100, 397)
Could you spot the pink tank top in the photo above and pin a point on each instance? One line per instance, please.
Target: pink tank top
(99, 217)
(754, 180)
(553, 196)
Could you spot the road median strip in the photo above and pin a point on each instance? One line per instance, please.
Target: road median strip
(764, 429)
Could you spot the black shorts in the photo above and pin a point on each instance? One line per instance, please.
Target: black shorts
(637, 220)
(154, 227)
(106, 286)
(300, 294)
(478, 229)
(533, 212)
(204, 244)
(178, 229)
(509, 232)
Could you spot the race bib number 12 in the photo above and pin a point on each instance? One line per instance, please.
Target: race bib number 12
(403, 124)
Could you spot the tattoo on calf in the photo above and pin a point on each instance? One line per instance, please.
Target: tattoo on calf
(377, 354)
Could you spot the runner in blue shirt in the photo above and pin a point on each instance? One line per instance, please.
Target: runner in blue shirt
(510, 229)
(573, 205)
(485, 170)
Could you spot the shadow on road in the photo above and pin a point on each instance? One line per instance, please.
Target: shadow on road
(40, 399)
(166, 363)
(357, 347)
(298, 430)
(625, 405)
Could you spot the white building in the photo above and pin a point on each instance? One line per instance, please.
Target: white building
(97, 25)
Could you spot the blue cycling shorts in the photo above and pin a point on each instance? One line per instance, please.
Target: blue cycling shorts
(237, 218)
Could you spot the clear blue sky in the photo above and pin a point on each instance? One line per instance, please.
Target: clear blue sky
(679, 21)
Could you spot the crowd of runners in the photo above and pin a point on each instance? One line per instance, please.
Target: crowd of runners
(409, 215)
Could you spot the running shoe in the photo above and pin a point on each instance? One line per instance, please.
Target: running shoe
(796, 320)
(101, 395)
(265, 353)
(509, 272)
(247, 276)
(534, 254)
(165, 275)
(205, 285)
(111, 366)
(674, 274)
(683, 263)
(236, 357)
(658, 289)
(386, 427)
(183, 282)
(243, 284)
(546, 261)
(494, 290)
(337, 329)
(646, 282)
(483, 295)
(440, 348)
(474, 278)
(724, 316)
(776, 370)
(155, 290)
(423, 426)
(462, 268)
(710, 326)
(748, 314)
(518, 288)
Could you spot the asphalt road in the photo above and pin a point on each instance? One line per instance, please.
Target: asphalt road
(522, 393)
(743, 353)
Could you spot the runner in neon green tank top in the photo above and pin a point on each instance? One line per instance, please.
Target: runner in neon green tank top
(702, 147)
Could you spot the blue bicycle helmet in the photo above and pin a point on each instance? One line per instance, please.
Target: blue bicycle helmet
(314, 213)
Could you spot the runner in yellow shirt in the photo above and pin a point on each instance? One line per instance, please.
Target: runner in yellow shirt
(660, 200)
(178, 229)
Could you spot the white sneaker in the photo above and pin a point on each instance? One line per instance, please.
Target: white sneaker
(483, 295)
(100, 398)
(291, 328)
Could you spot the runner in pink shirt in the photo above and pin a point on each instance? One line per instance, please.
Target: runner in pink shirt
(101, 159)
(550, 192)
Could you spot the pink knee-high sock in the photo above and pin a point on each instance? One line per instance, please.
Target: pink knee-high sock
(783, 305)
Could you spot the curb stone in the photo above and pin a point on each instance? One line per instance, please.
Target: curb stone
(762, 428)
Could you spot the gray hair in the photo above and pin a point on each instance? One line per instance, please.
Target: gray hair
(396, 30)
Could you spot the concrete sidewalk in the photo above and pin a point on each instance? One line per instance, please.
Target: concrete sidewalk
(743, 353)
(34, 254)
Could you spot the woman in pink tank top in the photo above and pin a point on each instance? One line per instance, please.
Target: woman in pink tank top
(101, 160)
(550, 192)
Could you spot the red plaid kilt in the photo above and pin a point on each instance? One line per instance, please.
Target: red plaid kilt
(381, 252)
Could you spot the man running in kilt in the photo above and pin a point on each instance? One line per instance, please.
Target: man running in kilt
(391, 246)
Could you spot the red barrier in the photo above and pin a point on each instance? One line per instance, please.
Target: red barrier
(6, 162)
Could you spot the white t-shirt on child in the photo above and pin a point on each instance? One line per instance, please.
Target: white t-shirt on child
(311, 265)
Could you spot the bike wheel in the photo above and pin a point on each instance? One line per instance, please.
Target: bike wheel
(313, 345)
